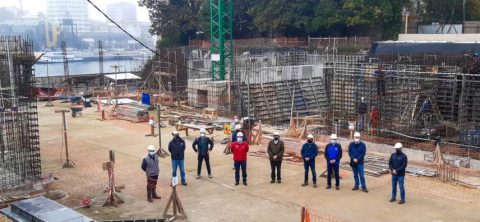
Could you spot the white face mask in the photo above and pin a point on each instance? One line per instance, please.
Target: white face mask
(240, 139)
(333, 141)
(202, 134)
(357, 140)
(151, 153)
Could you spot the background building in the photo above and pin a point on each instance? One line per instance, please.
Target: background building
(77, 10)
(123, 13)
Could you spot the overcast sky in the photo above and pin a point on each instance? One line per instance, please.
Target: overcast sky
(36, 6)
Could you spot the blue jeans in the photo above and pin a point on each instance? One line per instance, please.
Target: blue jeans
(176, 164)
(238, 165)
(358, 172)
(310, 165)
(335, 168)
(401, 181)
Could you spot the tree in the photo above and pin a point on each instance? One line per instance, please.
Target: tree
(444, 11)
(177, 20)
(281, 15)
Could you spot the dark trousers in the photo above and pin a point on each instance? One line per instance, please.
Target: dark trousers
(243, 165)
(202, 157)
(335, 169)
(278, 166)
(310, 165)
(152, 186)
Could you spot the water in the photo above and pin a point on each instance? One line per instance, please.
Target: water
(90, 67)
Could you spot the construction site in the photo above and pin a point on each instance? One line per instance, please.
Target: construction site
(74, 147)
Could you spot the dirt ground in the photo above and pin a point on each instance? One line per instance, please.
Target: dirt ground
(217, 199)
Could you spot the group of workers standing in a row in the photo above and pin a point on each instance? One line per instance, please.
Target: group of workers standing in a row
(275, 149)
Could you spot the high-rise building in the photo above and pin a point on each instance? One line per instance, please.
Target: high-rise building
(123, 13)
(77, 10)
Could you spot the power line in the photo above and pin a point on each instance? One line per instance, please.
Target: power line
(141, 43)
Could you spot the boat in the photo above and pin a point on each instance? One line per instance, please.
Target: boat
(57, 57)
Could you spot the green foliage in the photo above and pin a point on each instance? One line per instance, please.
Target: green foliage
(178, 20)
(281, 15)
(173, 18)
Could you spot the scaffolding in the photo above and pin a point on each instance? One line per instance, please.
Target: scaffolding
(19, 134)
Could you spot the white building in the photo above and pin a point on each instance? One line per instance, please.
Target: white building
(73, 9)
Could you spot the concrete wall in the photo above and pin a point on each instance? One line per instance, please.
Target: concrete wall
(440, 37)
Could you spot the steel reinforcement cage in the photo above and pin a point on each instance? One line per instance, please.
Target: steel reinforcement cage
(19, 133)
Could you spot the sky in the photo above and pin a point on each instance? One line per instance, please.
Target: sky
(36, 6)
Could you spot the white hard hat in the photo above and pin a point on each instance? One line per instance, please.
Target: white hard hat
(398, 146)
(310, 136)
(175, 133)
(240, 134)
(363, 98)
(202, 130)
(151, 148)
(333, 136)
(238, 126)
(357, 134)
(276, 134)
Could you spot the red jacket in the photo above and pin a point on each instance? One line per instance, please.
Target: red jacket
(239, 150)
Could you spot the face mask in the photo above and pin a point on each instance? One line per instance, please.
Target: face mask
(236, 120)
(333, 141)
(151, 153)
(240, 139)
(356, 140)
(398, 150)
(310, 141)
(202, 134)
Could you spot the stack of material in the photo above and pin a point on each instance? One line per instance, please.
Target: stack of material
(132, 113)
(373, 165)
(377, 166)
(287, 156)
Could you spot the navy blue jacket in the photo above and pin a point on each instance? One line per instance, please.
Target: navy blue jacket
(202, 144)
(176, 147)
(357, 151)
(309, 150)
(398, 162)
(333, 152)
(234, 135)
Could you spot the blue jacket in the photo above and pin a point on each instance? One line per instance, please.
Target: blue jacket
(309, 150)
(357, 151)
(176, 147)
(398, 162)
(234, 135)
(333, 152)
(202, 145)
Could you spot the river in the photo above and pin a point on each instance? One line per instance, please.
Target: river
(90, 67)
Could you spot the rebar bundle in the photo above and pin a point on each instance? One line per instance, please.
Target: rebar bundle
(19, 134)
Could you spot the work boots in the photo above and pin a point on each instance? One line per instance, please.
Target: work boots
(149, 196)
(155, 196)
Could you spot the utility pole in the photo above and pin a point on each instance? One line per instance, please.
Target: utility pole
(68, 163)
(49, 104)
(464, 2)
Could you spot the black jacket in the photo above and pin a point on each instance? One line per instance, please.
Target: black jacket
(202, 145)
(176, 147)
(398, 162)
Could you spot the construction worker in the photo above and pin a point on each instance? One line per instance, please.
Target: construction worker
(397, 164)
(176, 147)
(238, 129)
(202, 146)
(151, 168)
(375, 116)
(361, 112)
(333, 154)
(233, 126)
(357, 151)
(240, 150)
(309, 153)
(275, 152)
